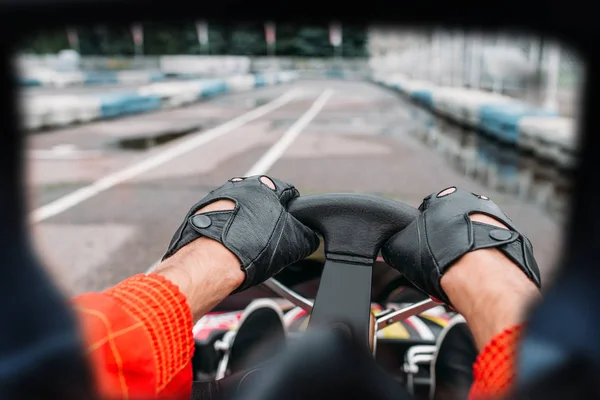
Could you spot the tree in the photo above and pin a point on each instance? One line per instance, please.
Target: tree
(181, 38)
(45, 42)
(354, 41)
(217, 39)
(119, 41)
(247, 40)
(165, 38)
(311, 41)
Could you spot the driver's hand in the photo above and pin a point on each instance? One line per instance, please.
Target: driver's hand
(249, 217)
(452, 223)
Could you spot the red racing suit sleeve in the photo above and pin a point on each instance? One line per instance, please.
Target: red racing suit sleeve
(139, 339)
(140, 343)
(494, 369)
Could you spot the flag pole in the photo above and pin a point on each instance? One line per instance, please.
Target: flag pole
(270, 37)
(138, 38)
(202, 32)
(73, 39)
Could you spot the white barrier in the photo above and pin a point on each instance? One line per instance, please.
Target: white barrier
(65, 60)
(410, 86)
(204, 65)
(240, 83)
(532, 129)
(464, 104)
(46, 70)
(51, 78)
(55, 111)
(136, 77)
(270, 78)
(549, 138)
(65, 110)
(177, 64)
(397, 81)
(61, 80)
(174, 94)
(33, 113)
(288, 76)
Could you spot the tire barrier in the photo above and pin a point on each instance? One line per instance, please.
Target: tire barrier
(505, 119)
(116, 105)
(48, 78)
(204, 65)
(52, 71)
(507, 144)
(56, 79)
(58, 111)
(53, 111)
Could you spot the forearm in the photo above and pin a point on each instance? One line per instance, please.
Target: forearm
(489, 290)
(491, 301)
(205, 272)
(493, 295)
(494, 318)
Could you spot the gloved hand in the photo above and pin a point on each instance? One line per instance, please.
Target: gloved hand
(258, 230)
(443, 233)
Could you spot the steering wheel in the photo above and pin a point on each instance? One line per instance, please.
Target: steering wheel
(353, 227)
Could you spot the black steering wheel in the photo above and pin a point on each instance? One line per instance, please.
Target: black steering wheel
(353, 227)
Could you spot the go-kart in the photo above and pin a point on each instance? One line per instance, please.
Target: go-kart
(345, 283)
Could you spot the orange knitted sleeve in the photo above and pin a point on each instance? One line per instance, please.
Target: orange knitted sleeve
(139, 338)
(140, 344)
(494, 369)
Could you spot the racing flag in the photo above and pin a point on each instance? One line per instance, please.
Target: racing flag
(270, 32)
(270, 36)
(335, 34)
(137, 31)
(202, 32)
(73, 38)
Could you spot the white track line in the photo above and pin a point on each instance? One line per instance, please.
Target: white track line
(72, 199)
(276, 151)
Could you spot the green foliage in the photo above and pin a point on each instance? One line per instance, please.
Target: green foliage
(247, 40)
(169, 38)
(309, 41)
(44, 42)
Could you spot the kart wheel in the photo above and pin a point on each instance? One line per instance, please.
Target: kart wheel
(260, 336)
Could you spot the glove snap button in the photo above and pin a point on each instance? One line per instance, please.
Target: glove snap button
(201, 221)
(500, 234)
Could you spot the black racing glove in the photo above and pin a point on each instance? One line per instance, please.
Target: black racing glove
(259, 230)
(443, 233)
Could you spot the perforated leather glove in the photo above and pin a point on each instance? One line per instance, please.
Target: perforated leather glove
(259, 230)
(443, 233)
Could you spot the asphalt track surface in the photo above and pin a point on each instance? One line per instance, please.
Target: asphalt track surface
(100, 213)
